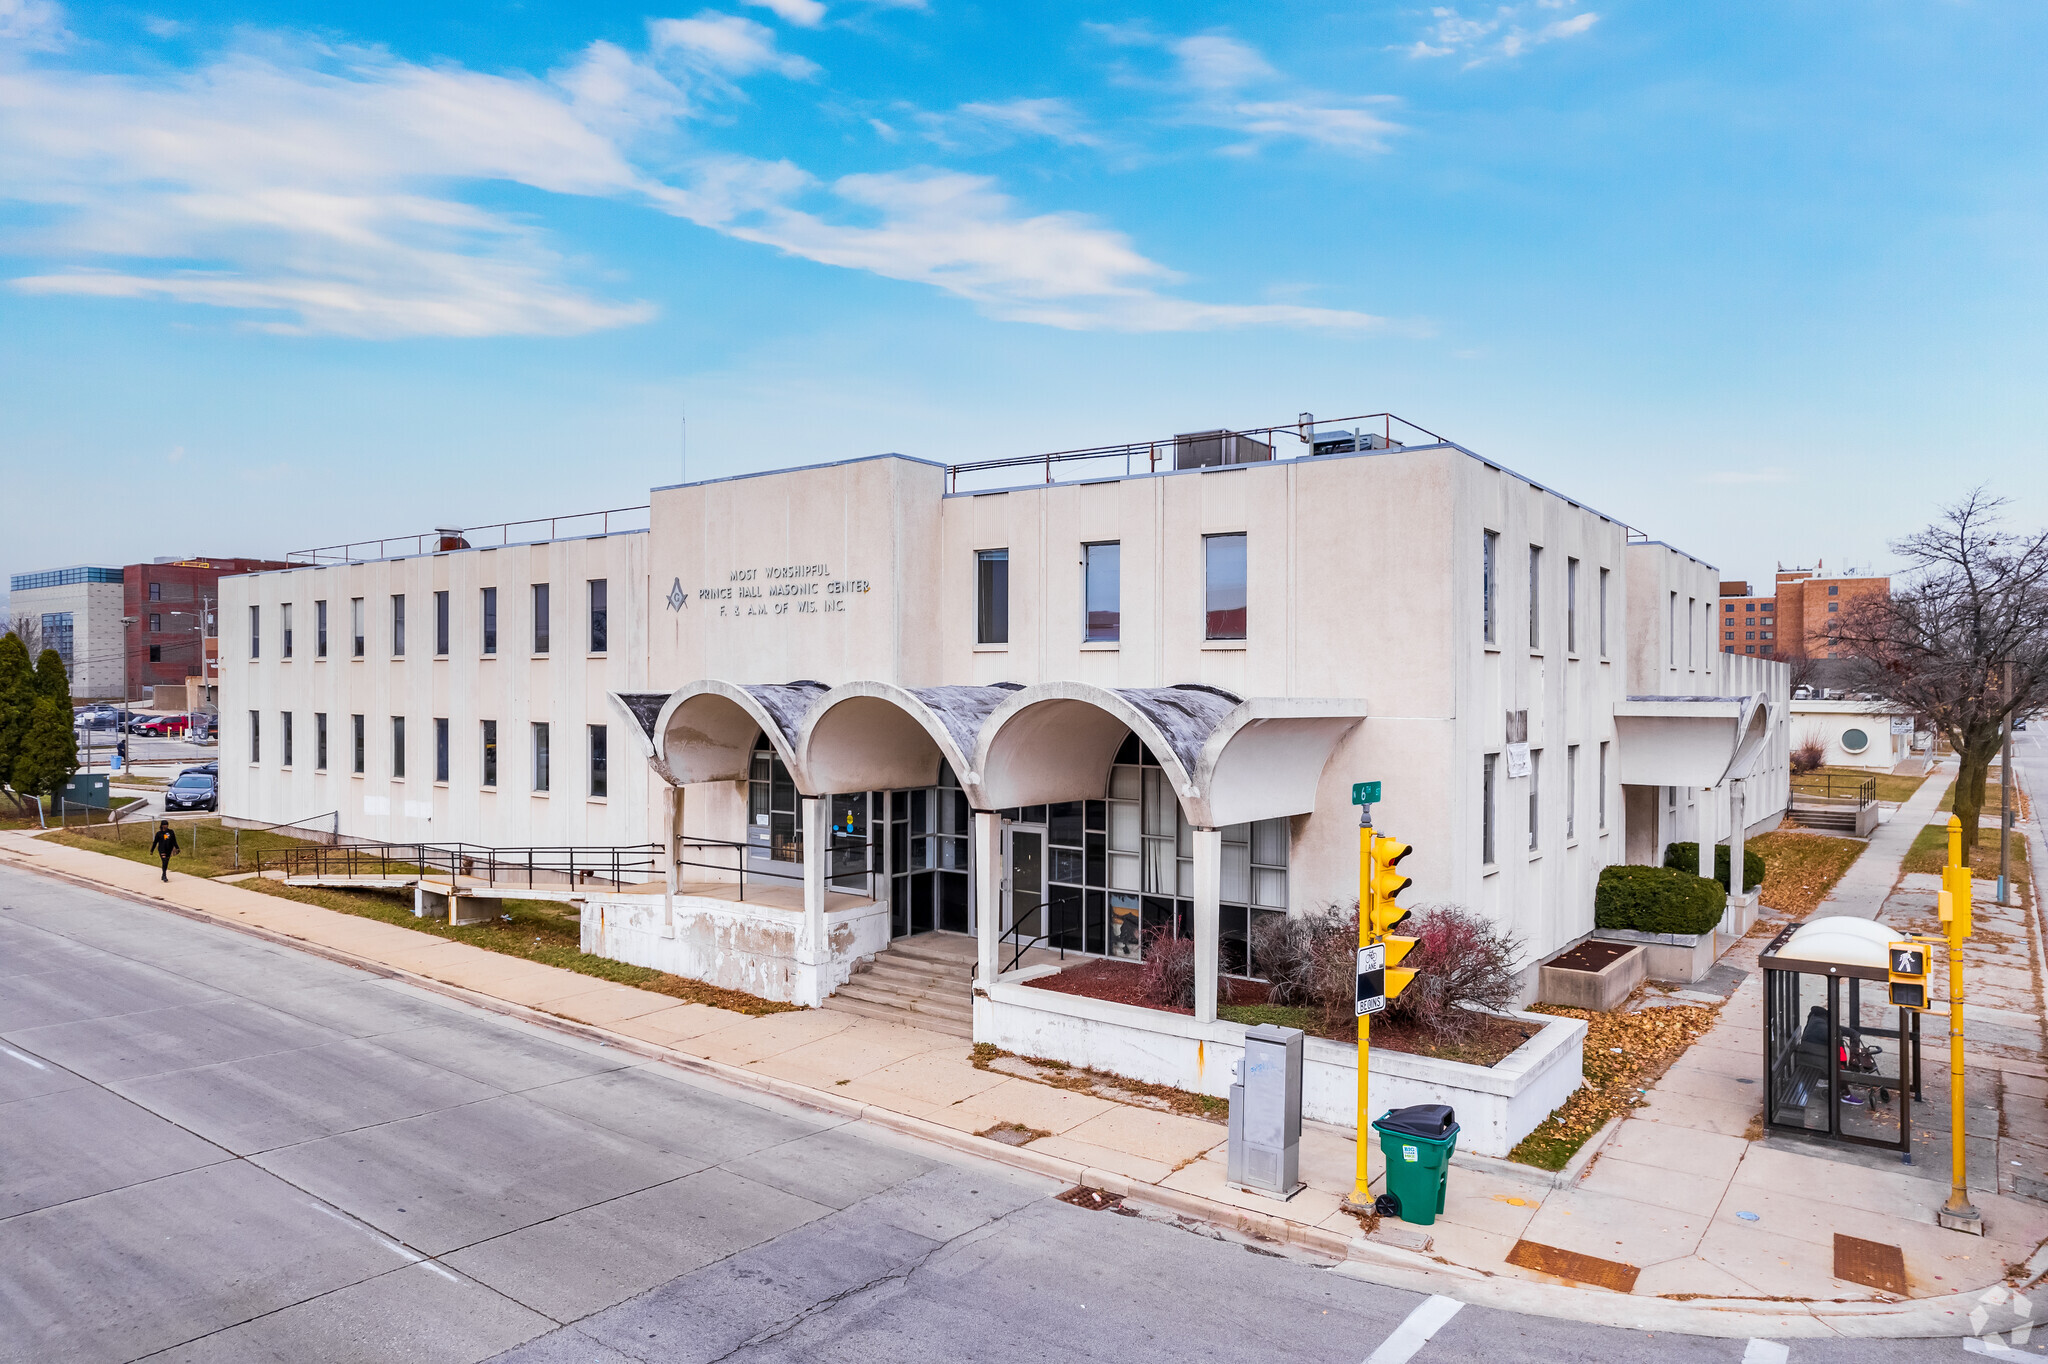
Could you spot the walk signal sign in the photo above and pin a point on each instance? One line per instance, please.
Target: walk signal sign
(1908, 974)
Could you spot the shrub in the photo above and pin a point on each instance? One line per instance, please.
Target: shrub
(1168, 979)
(1460, 959)
(1809, 753)
(1657, 900)
(1686, 857)
(1310, 960)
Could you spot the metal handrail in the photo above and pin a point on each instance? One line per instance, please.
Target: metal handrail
(345, 553)
(334, 815)
(1153, 449)
(1021, 944)
(577, 865)
(1862, 789)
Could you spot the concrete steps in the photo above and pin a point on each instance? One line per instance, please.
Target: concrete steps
(918, 981)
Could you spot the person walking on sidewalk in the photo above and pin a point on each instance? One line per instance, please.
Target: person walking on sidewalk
(165, 845)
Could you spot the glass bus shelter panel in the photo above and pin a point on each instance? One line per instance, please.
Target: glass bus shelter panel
(1874, 1055)
(1799, 1036)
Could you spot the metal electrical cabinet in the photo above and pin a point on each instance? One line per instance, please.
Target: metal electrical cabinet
(1265, 1113)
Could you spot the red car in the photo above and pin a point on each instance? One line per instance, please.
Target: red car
(162, 724)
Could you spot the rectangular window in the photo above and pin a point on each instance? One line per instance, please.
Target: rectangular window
(440, 625)
(319, 741)
(992, 596)
(490, 753)
(1571, 606)
(1535, 789)
(398, 748)
(320, 629)
(1603, 613)
(284, 630)
(1600, 801)
(1490, 544)
(357, 729)
(284, 734)
(540, 757)
(600, 615)
(440, 750)
(600, 761)
(58, 633)
(1571, 793)
(1535, 597)
(255, 632)
(156, 591)
(1102, 570)
(1691, 634)
(1671, 628)
(490, 614)
(355, 620)
(255, 736)
(398, 625)
(156, 623)
(156, 653)
(540, 618)
(1223, 565)
(1486, 771)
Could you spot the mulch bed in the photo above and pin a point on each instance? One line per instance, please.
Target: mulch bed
(1591, 955)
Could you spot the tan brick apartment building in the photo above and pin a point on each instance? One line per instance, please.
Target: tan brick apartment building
(1796, 619)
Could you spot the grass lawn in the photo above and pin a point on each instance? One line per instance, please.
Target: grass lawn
(1890, 786)
(1929, 853)
(545, 931)
(18, 817)
(207, 848)
(1994, 802)
(1801, 868)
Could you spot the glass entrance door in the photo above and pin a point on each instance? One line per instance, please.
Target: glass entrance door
(1024, 856)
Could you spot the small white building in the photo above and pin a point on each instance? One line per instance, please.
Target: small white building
(1066, 704)
(77, 611)
(1869, 734)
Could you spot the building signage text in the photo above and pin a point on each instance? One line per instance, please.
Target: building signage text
(782, 590)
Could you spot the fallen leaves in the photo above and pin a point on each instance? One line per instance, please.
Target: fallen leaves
(1624, 1053)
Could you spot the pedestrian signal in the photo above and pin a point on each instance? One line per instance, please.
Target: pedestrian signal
(1908, 975)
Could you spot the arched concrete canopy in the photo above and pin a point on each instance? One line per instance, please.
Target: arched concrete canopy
(705, 731)
(643, 711)
(1229, 760)
(875, 736)
(1697, 741)
(1752, 736)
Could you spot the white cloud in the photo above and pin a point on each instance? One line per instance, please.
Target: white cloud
(803, 13)
(318, 189)
(1509, 31)
(159, 27)
(1223, 82)
(32, 26)
(982, 124)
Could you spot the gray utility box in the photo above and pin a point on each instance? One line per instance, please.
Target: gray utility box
(1265, 1114)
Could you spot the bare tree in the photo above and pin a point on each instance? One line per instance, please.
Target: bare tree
(1974, 606)
(28, 628)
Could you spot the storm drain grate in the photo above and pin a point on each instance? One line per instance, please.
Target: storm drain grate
(1569, 1264)
(1870, 1263)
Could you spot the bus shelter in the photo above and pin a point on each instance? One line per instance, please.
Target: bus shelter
(1840, 1061)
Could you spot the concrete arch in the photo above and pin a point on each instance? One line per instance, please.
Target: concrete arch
(1055, 741)
(1267, 758)
(876, 736)
(1752, 736)
(705, 731)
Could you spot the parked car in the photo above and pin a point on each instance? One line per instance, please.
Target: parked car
(210, 769)
(159, 725)
(193, 790)
(98, 720)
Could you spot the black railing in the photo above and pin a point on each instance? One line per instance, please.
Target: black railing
(1836, 786)
(558, 868)
(1036, 928)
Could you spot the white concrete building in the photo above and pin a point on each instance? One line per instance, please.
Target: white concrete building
(78, 612)
(1868, 734)
(1065, 714)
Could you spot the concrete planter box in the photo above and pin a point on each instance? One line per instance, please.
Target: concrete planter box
(1497, 1105)
(1601, 989)
(1739, 918)
(1675, 958)
(753, 947)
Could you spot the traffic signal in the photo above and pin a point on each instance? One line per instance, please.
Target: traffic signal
(1952, 901)
(1382, 915)
(1908, 975)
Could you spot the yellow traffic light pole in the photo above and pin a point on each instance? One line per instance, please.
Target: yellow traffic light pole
(1379, 882)
(1361, 1191)
(1953, 905)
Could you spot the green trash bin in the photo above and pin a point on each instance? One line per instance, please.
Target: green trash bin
(1417, 1142)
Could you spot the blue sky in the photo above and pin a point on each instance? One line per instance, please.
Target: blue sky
(1765, 280)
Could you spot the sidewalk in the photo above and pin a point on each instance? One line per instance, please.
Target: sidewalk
(1661, 1200)
(1869, 879)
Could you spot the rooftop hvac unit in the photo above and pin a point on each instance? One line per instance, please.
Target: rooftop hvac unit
(1350, 442)
(1210, 449)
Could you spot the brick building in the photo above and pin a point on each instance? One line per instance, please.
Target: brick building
(1795, 620)
(175, 632)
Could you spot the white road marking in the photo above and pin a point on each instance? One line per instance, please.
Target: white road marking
(1993, 1348)
(1764, 1352)
(1414, 1332)
(388, 1244)
(24, 1059)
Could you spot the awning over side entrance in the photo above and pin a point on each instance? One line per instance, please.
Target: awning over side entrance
(876, 736)
(705, 731)
(1697, 741)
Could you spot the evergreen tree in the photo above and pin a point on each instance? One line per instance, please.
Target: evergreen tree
(17, 692)
(49, 745)
(51, 679)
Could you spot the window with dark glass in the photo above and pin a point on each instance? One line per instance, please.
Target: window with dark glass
(355, 614)
(1223, 572)
(156, 653)
(398, 625)
(540, 618)
(156, 591)
(1535, 596)
(320, 741)
(156, 622)
(1571, 606)
(320, 629)
(600, 761)
(255, 632)
(1102, 571)
(992, 596)
(284, 630)
(284, 734)
(440, 749)
(358, 730)
(440, 625)
(490, 615)
(1486, 783)
(255, 736)
(490, 753)
(540, 758)
(600, 615)
(397, 747)
(773, 805)
(1488, 587)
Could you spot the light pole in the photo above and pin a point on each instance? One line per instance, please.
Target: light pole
(127, 656)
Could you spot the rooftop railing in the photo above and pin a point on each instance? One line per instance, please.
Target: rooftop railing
(1149, 456)
(576, 525)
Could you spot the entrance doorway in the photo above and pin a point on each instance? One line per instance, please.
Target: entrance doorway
(926, 851)
(1024, 894)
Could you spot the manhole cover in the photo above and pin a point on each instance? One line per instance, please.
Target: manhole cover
(1570, 1264)
(1870, 1263)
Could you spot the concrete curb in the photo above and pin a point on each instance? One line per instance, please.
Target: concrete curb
(1361, 1256)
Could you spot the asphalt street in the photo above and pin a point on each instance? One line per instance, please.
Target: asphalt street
(214, 1148)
